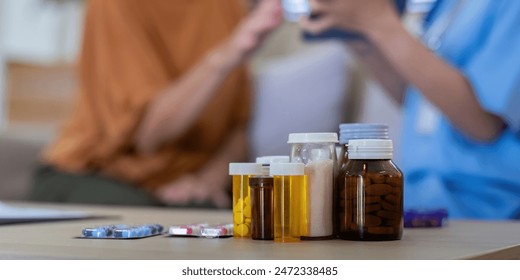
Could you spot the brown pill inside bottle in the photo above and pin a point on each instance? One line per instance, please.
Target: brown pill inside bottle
(262, 208)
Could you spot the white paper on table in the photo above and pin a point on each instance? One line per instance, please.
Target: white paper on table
(15, 214)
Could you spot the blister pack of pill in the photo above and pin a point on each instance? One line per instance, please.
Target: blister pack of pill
(123, 231)
(424, 218)
(204, 230)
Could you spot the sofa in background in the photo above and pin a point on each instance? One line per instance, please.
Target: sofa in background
(18, 158)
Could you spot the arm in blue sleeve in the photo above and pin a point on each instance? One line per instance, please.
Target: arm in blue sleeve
(494, 72)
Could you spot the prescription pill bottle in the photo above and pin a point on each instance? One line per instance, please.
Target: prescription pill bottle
(352, 131)
(317, 151)
(290, 216)
(370, 193)
(241, 172)
(262, 207)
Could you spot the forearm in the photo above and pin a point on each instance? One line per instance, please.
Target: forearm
(177, 108)
(442, 84)
(379, 67)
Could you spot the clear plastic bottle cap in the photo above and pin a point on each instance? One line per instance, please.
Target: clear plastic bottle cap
(273, 159)
(287, 169)
(370, 149)
(313, 138)
(245, 168)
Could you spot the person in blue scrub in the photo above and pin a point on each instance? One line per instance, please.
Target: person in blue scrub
(459, 83)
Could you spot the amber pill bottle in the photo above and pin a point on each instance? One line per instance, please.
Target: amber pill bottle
(262, 207)
(370, 188)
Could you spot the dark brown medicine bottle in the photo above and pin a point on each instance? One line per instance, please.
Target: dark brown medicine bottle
(370, 190)
(262, 207)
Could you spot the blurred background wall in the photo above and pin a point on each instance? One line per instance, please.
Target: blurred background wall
(39, 40)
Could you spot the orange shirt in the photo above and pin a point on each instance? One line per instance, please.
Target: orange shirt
(132, 50)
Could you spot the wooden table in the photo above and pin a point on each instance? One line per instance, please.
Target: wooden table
(57, 240)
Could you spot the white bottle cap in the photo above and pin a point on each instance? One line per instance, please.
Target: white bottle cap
(245, 168)
(272, 159)
(287, 169)
(370, 149)
(313, 138)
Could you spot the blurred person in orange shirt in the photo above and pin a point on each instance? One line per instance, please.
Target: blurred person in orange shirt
(163, 104)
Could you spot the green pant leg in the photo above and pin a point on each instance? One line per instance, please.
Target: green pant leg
(51, 185)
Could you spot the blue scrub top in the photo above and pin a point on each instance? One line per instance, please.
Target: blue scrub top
(444, 168)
